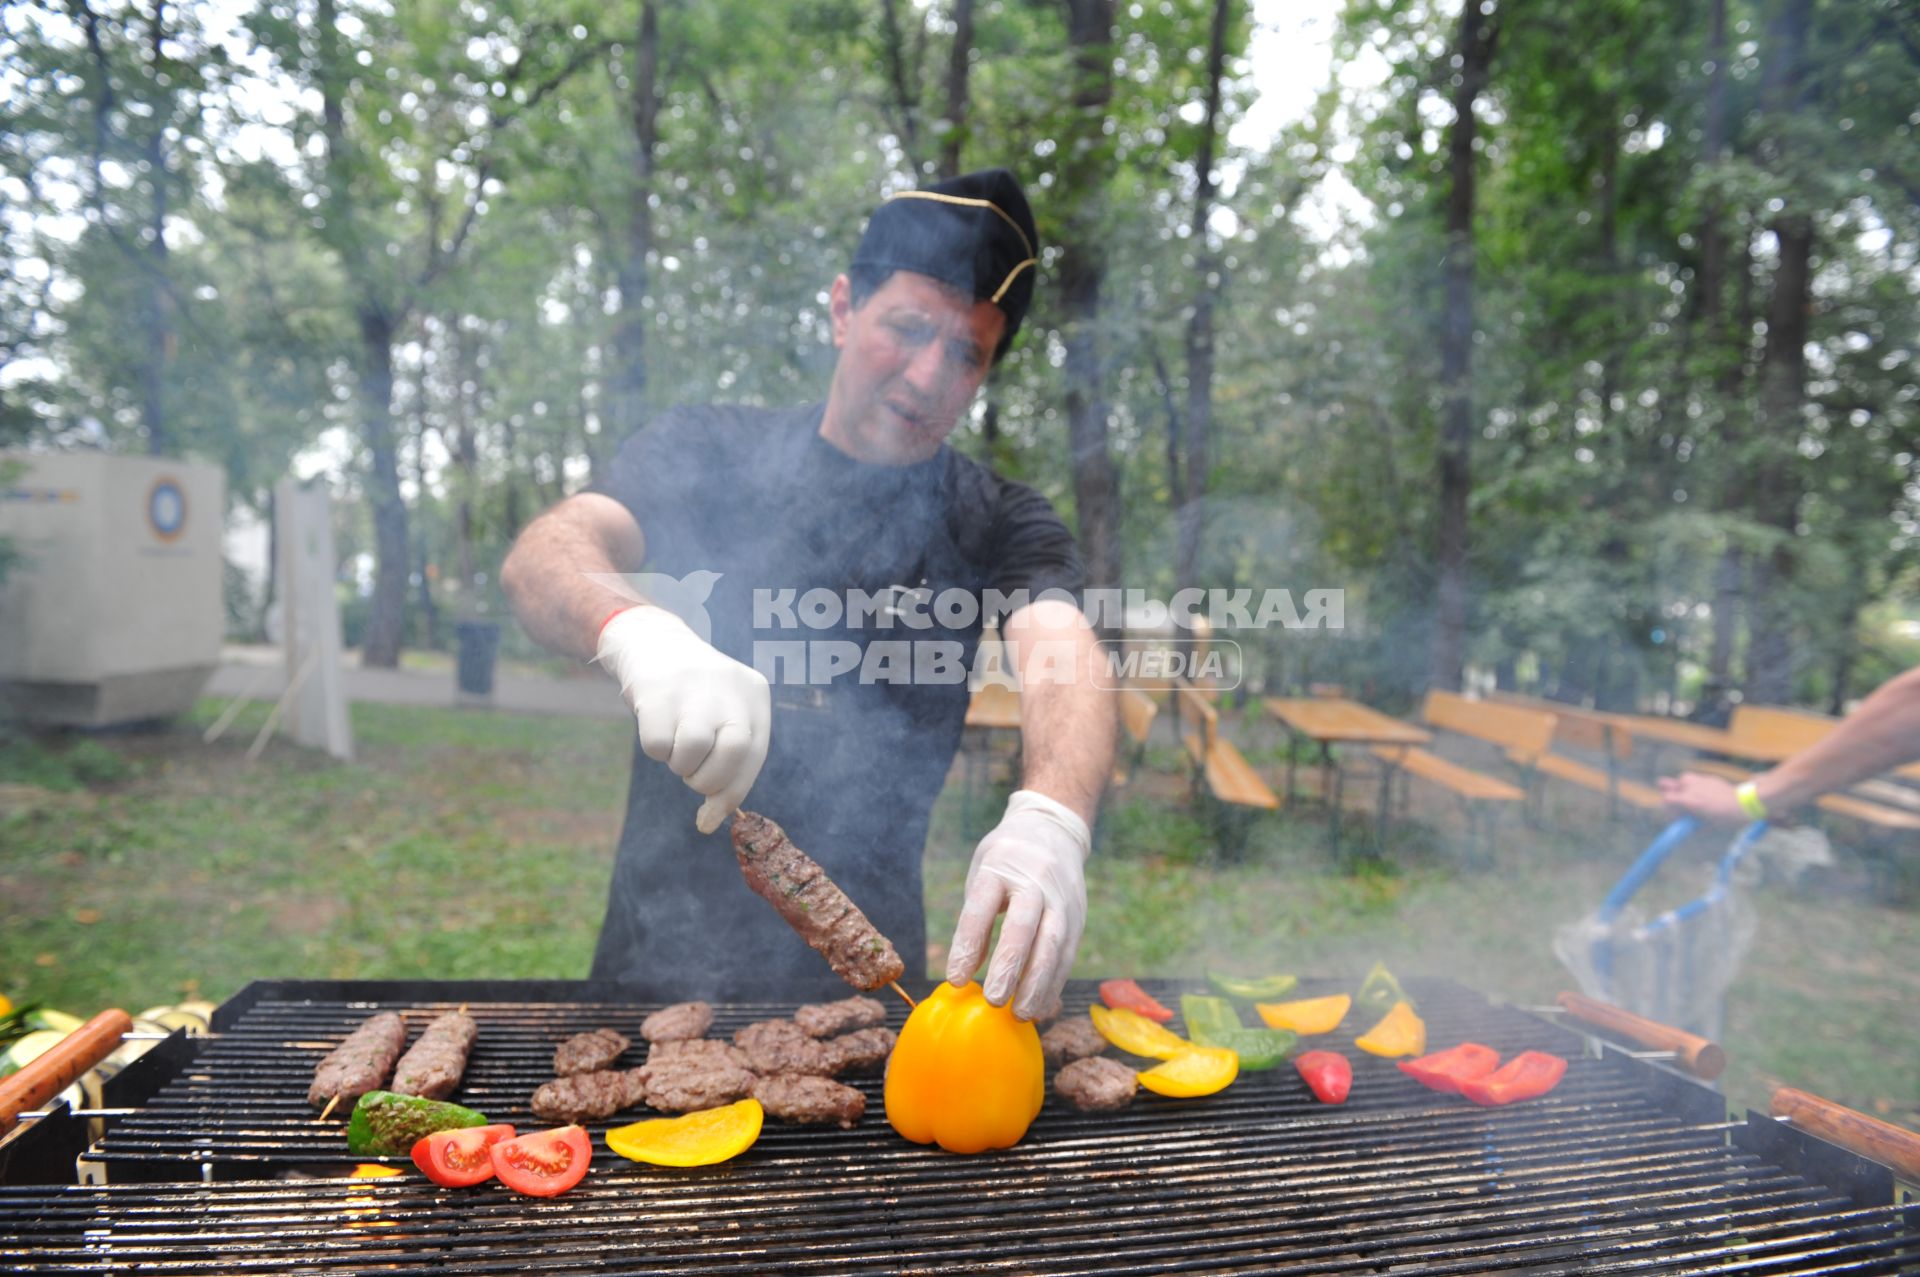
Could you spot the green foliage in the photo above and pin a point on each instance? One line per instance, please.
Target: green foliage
(479, 189)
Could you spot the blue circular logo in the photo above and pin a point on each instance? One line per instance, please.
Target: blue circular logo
(167, 509)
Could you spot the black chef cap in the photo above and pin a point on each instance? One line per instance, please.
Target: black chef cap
(974, 232)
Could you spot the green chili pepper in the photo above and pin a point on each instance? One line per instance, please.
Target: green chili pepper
(388, 1125)
(1262, 989)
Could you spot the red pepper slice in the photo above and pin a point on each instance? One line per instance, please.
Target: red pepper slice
(1327, 1073)
(1126, 995)
(1446, 1070)
(1524, 1077)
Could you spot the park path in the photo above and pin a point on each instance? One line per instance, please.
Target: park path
(258, 672)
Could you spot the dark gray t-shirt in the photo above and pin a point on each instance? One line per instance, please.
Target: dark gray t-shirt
(757, 497)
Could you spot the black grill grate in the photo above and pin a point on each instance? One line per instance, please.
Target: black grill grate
(1622, 1169)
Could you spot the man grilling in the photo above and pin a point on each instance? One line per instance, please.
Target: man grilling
(856, 494)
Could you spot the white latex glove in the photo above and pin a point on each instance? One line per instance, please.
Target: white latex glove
(1033, 866)
(702, 713)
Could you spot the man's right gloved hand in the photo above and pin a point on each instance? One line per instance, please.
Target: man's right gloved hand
(703, 714)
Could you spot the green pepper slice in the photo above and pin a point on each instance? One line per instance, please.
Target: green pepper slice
(1379, 991)
(388, 1125)
(1215, 1022)
(1260, 989)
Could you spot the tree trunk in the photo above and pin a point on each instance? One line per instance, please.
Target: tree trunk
(1775, 481)
(386, 624)
(1727, 577)
(1207, 268)
(959, 66)
(627, 379)
(159, 315)
(902, 82)
(1479, 33)
(1086, 165)
(422, 551)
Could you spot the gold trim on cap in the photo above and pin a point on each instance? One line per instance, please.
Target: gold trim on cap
(963, 201)
(1008, 281)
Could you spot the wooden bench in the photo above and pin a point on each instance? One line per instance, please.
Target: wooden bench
(1595, 733)
(1229, 780)
(1518, 731)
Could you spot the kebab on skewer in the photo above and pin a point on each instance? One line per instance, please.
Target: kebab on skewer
(793, 883)
(431, 1068)
(360, 1064)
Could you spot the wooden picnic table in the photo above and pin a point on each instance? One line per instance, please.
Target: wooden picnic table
(1333, 720)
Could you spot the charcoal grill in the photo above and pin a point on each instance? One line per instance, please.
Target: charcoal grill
(214, 1164)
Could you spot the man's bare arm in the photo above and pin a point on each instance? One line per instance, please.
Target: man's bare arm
(547, 578)
(1879, 736)
(1067, 725)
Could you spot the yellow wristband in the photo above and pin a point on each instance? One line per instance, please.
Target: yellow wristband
(1749, 799)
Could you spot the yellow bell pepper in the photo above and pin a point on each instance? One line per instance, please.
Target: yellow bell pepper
(696, 1139)
(965, 1074)
(1137, 1035)
(1400, 1032)
(1307, 1016)
(1201, 1070)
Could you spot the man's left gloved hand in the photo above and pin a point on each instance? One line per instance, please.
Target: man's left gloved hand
(1032, 866)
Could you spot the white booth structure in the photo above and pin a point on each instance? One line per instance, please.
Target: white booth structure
(111, 611)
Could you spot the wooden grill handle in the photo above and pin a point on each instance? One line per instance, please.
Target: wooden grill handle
(1890, 1145)
(60, 1067)
(1704, 1059)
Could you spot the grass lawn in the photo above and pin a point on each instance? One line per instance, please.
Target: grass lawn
(136, 869)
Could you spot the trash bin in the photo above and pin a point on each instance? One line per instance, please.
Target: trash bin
(479, 644)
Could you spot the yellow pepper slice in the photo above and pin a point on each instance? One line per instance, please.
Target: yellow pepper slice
(1308, 1015)
(697, 1139)
(1400, 1032)
(1135, 1033)
(1201, 1070)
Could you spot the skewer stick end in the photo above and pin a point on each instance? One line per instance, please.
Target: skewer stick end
(327, 1112)
(905, 996)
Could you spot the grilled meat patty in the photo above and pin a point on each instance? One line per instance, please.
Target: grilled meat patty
(588, 1097)
(831, 1019)
(431, 1068)
(677, 1023)
(789, 880)
(781, 1046)
(708, 1051)
(862, 1050)
(796, 1098)
(1096, 1084)
(687, 1083)
(588, 1052)
(1072, 1039)
(362, 1063)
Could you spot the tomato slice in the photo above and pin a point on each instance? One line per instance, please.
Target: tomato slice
(455, 1159)
(1447, 1070)
(1525, 1076)
(1127, 995)
(545, 1163)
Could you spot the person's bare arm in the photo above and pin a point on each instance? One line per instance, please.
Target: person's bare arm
(1880, 735)
(1067, 724)
(547, 574)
